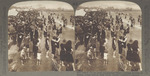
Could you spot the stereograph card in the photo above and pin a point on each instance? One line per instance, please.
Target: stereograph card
(74, 38)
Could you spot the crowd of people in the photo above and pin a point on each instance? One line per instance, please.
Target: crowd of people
(96, 29)
(31, 30)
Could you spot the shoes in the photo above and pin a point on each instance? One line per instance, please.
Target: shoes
(96, 57)
(114, 56)
(63, 65)
(29, 57)
(89, 64)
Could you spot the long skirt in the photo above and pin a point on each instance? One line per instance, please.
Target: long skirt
(136, 57)
(53, 49)
(69, 58)
(129, 55)
(120, 50)
(62, 55)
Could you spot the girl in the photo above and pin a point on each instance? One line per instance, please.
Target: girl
(63, 52)
(69, 57)
(136, 58)
(114, 46)
(129, 52)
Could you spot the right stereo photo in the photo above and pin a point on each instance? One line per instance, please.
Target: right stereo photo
(108, 36)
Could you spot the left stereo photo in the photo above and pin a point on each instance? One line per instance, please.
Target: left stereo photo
(41, 36)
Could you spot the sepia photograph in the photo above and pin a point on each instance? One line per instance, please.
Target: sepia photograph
(41, 36)
(99, 36)
(108, 36)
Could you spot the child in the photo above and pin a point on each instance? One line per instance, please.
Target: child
(122, 65)
(105, 57)
(38, 58)
(114, 47)
(93, 44)
(23, 55)
(28, 53)
(89, 55)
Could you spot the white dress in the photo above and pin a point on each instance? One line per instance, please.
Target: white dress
(39, 56)
(105, 56)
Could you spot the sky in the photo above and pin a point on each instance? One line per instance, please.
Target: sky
(46, 4)
(37, 4)
(115, 4)
(59, 4)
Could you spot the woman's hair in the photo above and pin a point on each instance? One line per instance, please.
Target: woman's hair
(64, 41)
(69, 43)
(135, 42)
